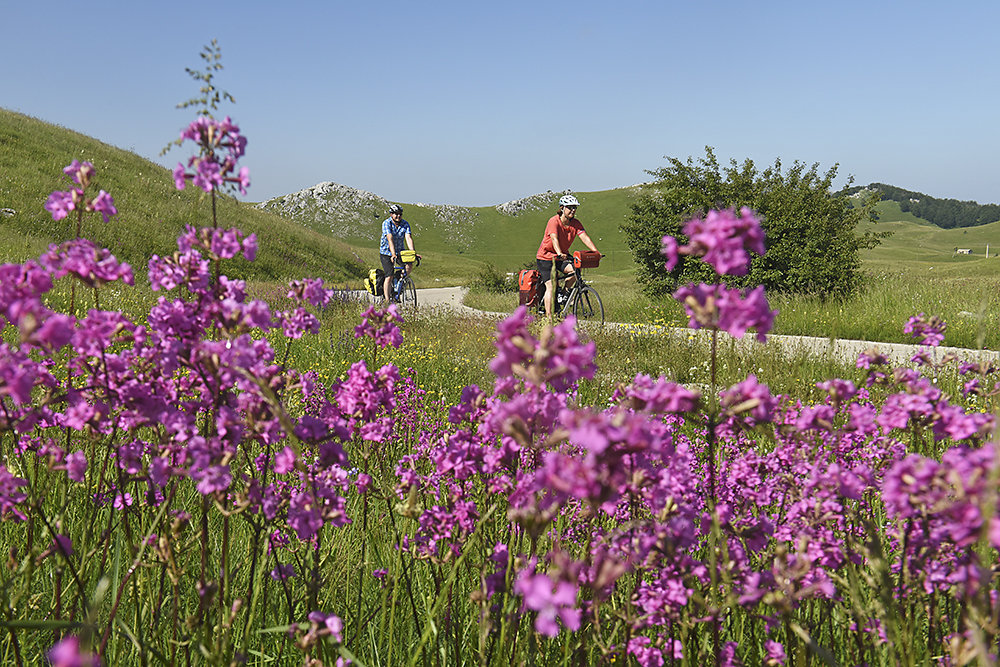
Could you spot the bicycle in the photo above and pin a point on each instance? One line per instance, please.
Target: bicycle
(581, 299)
(402, 289)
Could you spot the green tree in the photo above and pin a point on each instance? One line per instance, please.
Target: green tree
(813, 246)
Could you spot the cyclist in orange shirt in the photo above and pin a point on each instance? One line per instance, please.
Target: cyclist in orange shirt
(560, 231)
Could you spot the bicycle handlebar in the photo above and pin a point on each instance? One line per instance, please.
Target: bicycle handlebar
(398, 264)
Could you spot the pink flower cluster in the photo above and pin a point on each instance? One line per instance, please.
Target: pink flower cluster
(723, 240)
(928, 331)
(721, 308)
(629, 482)
(221, 146)
(60, 202)
(380, 325)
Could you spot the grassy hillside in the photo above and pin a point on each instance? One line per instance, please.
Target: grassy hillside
(915, 245)
(889, 211)
(466, 236)
(151, 212)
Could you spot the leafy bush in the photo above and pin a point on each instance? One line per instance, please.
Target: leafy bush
(812, 244)
(491, 279)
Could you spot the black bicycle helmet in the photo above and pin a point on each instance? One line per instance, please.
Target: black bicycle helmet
(395, 208)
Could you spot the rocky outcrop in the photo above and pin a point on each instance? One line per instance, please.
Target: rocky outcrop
(352, 213)
(531, 203)
(454, 223)
(346, 211)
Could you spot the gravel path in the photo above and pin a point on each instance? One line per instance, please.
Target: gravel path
(844, 351)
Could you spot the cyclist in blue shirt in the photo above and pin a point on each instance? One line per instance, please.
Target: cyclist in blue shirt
(395, 235)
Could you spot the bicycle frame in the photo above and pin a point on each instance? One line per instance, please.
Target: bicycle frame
(401, 281)
(582, 300)
(573, 291)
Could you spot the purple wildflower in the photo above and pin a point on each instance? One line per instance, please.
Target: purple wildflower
(103, 204)
(284, 461)
(380, 326)
(775, 653)
(725, 309)
(60, 203)
(552, 600)
(514, 343)
(82, 258)
(76, 466)
(10, 495)
(311, 291)
(330, 624)
(304, 516)
(722, 240)
(212, 479)
(749, 399)
(658, 397)
(80, 172)
(67, 653)
(221, 147)
(644, 653)
(928, 330)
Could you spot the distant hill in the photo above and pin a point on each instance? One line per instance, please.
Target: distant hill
(917, 244)
(945, 213)
(151, 212)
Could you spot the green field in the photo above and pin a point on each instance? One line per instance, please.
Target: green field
(915, 269)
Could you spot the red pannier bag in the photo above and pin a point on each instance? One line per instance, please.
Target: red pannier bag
(586, 259)
(527, 287)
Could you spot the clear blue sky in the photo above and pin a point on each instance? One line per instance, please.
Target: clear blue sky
(477, 103)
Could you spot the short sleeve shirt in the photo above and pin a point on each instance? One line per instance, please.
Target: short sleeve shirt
(565, 233)
(398, 232)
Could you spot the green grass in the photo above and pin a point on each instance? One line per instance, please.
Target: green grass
(427, 599)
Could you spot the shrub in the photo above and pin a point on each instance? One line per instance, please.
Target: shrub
(812, 243)
(491, 279)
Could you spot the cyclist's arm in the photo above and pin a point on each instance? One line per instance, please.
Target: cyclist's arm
(587, 242)
(409, 242)
(392, 246)
(555, 244)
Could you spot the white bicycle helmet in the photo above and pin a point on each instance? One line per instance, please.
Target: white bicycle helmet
(568, 200)
(395, 208)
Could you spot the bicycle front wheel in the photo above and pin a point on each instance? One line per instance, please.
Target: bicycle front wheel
(408, 293)
(587, 306)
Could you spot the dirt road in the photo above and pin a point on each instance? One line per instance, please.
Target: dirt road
(844, 351)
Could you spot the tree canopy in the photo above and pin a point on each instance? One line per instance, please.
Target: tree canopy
(813, 246)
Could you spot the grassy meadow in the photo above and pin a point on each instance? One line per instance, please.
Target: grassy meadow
(186, 481)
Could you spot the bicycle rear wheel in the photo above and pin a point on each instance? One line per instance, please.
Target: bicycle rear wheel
(587, 306)
(408, 293)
